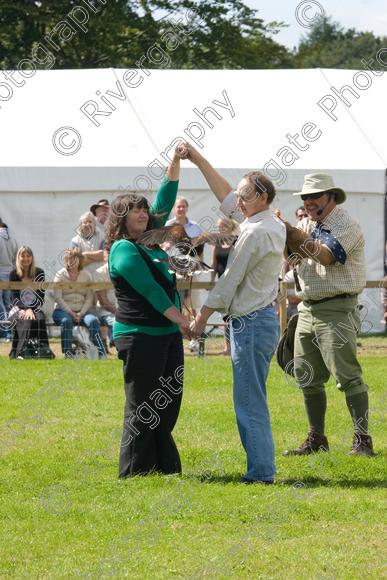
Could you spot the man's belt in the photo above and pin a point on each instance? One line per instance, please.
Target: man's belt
(312, 302)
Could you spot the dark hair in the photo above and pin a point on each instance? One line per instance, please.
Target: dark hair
(261, 184)
(300, 208)
(116, 223)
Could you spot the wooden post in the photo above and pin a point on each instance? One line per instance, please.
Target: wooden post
(283, 313)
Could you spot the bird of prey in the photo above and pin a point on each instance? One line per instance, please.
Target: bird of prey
(184, 251)
(176, 234)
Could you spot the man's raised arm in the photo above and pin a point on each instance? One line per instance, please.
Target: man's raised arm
(220, 187)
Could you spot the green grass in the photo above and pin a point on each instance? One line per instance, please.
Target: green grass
(339, 525)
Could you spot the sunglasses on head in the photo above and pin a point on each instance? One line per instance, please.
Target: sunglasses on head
(312, 195)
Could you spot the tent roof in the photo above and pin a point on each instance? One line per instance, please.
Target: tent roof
(268, 105)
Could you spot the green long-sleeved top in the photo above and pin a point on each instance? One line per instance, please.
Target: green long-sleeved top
(126, 261)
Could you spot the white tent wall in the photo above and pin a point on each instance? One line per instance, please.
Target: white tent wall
(253, 114)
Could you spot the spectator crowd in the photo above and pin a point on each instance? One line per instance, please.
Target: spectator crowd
(23, 313)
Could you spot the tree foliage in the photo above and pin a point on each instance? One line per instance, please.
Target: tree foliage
(221, 34)
(328, 45)
(200, 34)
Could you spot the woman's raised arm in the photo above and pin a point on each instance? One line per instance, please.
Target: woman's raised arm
(173, 171)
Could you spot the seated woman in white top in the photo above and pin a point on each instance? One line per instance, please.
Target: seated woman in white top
(73, 306)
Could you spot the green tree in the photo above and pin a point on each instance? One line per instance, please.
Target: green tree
(221, 34)
(328, 45)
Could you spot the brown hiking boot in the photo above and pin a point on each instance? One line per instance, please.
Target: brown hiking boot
(362, 445)
(312, 444)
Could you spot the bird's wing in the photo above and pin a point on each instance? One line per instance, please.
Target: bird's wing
(173, 234)
(214, 239)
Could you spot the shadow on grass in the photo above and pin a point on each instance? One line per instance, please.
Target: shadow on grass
(223, 479)
(319, 482)
(310, 481)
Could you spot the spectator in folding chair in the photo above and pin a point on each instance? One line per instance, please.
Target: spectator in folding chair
(73, 306)
(30, 339)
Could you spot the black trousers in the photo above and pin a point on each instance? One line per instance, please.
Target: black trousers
(25, 329)
(151, 407)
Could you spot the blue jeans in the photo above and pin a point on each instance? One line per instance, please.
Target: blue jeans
(254, 338)
(64, 320)
(5, 301)
(108, 320)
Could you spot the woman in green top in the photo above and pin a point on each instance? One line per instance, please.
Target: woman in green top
(148, 331)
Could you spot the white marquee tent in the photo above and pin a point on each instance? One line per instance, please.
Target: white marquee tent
(44, 189)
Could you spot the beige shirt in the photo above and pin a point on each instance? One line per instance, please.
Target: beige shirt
(80, 300)
(318, 281)
(250, 281)
(102, 275)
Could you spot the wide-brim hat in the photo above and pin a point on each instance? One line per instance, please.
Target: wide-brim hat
(100, 203)
(319, 182)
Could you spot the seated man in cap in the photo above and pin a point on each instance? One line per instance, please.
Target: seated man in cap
(329, 249)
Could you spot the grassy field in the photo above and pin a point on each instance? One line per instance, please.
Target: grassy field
(58, 525)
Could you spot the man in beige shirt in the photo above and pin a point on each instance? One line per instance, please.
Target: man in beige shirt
(247, 291)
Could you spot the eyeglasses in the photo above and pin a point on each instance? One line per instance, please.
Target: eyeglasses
(302, 215)
(312, 195)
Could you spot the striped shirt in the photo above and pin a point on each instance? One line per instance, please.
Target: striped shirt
(344, 238)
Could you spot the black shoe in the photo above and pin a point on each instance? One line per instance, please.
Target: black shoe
(312, 444)
(250, 481)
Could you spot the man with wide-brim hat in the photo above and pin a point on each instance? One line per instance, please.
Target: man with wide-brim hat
(327, 251)
(100, 210)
